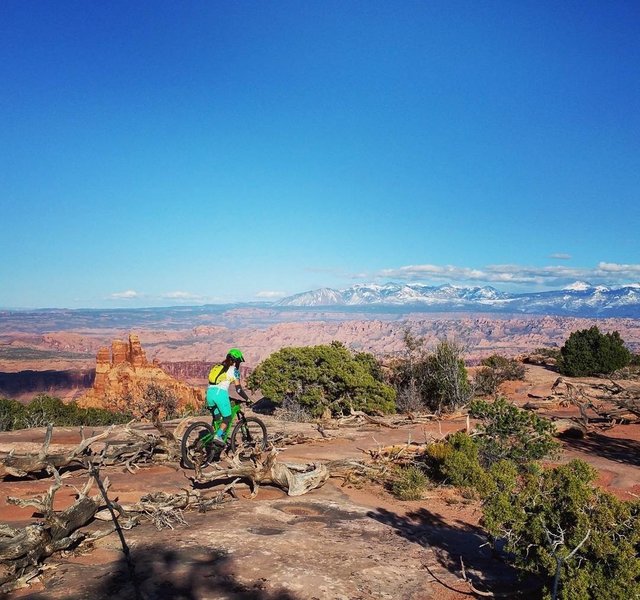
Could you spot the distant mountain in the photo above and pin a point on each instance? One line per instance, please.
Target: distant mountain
(579, 299)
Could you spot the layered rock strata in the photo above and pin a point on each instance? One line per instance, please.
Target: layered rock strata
(123, 374)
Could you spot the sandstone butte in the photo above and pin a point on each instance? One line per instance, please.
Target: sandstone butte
(122, 375)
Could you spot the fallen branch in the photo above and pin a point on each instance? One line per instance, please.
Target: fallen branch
(166, 510)
(295, 479)
(357, 417)
(22, 551)
(30, 464)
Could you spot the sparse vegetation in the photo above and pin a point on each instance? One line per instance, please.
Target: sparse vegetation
(460, 465)
(589, 352)
(409, 483)
(24, 353)
(158, 400)
(11, 414)
(548, 352)
(505, 435)
(327, 377)
(438, 379)
(155, 400)
(508, 432)
(495, 370)
(292, 410)
(554, 522)
(44, 409)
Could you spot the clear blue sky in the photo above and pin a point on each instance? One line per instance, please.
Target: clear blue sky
(155, 153)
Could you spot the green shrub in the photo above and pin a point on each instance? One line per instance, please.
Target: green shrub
(495, 370)
(11, 414)
(461, 466)
(548, 352)
(508, 432)
(437, 379)
(324, 377)
(486, 381)
(99, 416)
(438, 451)
(588, 352)
(509, 368)
(543, 516)
(409, 483)
(45, 409)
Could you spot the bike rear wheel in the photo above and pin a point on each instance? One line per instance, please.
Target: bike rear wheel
(249, 435)
(197, 445)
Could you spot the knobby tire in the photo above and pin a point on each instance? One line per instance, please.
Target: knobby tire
(251, 427)
(191, 449)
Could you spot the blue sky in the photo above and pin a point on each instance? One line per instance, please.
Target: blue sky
(156, 153)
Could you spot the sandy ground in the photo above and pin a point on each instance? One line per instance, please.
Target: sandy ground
(337, 542)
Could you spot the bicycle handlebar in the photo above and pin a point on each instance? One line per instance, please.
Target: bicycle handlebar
(242, 401)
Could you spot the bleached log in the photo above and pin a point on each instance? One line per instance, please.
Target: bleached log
(23, 550)
(23, 465)
(357, 416)
(295, 479)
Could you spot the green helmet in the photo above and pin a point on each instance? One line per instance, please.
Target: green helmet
(235, 354)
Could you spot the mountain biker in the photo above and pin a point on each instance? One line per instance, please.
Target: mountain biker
(218, 390)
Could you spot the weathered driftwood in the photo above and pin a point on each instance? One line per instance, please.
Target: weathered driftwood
(141, 447)
(23, 465)
(23, 550)
(138, 447)
(165, 510)
(415, 418)
(400, 454)
(609, 400)
(619, 411)
(295, 479)
(357, 417)
(282, 438)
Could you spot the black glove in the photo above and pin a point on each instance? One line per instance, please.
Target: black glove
(243, 395)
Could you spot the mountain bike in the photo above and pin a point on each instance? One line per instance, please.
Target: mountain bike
(242, 438)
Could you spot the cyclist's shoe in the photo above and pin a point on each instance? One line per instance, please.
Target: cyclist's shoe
(218, 441)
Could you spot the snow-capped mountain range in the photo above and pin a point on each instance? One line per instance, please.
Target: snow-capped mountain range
(578, 299)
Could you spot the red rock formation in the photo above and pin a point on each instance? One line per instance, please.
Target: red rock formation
(119, 352)
(103, 366)
(136, 356)
(123, 375)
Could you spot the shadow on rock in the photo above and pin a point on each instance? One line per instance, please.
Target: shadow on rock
(451, 543)
(264, 406)
(621, 450)
(192, 573)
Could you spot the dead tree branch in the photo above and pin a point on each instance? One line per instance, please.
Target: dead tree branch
(295, 479)
(22, 551)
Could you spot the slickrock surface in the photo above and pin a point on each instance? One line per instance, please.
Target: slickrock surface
(338, 541)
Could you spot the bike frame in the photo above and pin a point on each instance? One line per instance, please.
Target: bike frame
(236, 410)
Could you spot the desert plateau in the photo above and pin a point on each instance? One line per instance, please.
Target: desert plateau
(55, 351)
(344, 540)
(224, 532)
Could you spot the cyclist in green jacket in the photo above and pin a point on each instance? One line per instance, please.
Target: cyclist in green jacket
(220, 378)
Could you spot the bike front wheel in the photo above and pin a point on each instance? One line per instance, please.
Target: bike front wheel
(197, 445)
(247, 436)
